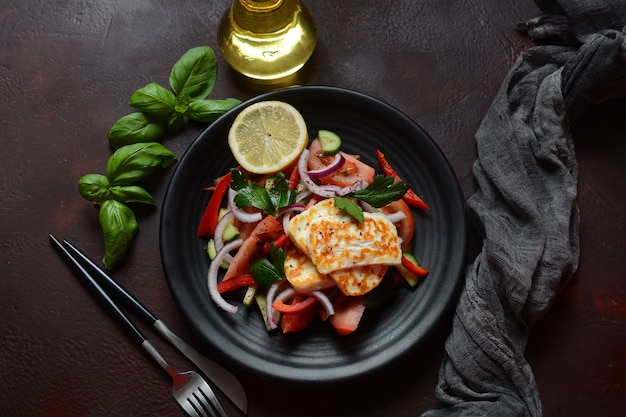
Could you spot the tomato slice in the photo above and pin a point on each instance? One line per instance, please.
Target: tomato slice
(406, 226)
(352, 171)
(348, 313)
(290, 323)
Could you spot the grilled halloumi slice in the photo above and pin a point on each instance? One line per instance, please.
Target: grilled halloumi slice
(302, 274)
(356, 255)
(360, 279)
(334, 240)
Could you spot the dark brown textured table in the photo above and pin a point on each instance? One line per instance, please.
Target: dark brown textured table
(66, 72)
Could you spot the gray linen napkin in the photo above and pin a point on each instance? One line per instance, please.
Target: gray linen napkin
(525, 207)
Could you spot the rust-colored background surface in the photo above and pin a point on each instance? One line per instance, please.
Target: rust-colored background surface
(67, 69)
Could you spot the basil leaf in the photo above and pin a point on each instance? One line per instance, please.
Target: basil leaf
(350, 207)
(135, 128)
(119, 227)
(134, 162)
(153, 99)
(206, 111)
(194, 73)
(94, 187)
(132, 194)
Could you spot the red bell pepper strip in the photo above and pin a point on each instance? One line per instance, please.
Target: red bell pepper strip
(415, 269)
(294, 179)
(234, 283)
(280, 242)
(409, 197)
(298, 307)
(210, 217)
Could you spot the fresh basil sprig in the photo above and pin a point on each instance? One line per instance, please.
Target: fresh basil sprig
(192, 79)
(113, 192)
(138, 154)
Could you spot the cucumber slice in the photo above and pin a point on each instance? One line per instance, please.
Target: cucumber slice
(230, 231)
(330, 141)
(408, 276)
(248, 298)
(210, 249)
(261, 301)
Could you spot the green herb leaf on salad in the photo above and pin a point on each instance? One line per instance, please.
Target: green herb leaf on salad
(382, 191)
(269, 199)
(266, 271)
(350, 207)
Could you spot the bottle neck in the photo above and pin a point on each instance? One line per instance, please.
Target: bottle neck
(264, 16)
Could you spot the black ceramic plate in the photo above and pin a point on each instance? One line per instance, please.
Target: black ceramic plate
(320, 355)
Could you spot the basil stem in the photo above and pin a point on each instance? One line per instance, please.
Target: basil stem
(119, 227)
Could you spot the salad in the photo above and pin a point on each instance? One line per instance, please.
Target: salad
(327, 237)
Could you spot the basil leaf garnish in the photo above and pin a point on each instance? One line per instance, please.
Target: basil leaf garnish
(132, 194)
(94, 187)
(153, 99)
(119, 227)
(134, 162)
(136, 127)
(207, 111)
(194, 73)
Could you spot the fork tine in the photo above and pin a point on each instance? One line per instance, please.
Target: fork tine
(197, 408)
(213, 402)
(189, 408)
(206, 397)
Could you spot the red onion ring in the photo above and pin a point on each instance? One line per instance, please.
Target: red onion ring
(336, 164)
(396, 216)
(239, 213)
(213, 272)
(325, 301)
(269, 300)
(358, 185)
(308, 182)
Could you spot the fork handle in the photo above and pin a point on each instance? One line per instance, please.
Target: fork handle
(98, 292)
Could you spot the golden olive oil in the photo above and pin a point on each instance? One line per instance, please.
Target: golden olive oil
(267, 41)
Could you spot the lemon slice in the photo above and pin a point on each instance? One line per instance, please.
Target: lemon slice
(267, 136)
